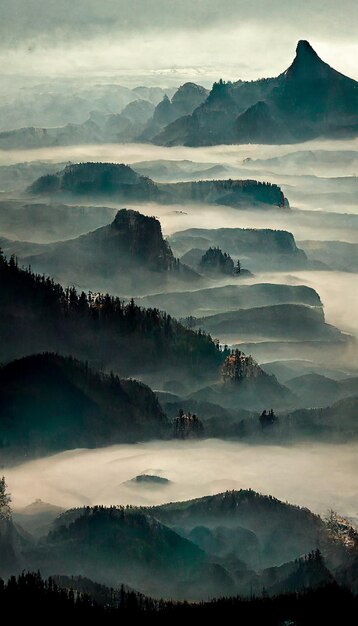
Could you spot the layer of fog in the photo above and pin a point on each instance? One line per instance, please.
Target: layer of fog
(132, 152)
(319, 182)
(337, 290)
(319, 476)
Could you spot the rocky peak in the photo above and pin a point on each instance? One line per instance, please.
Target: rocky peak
(189, 90)
(305, 50)
(220, 94)
(307, 64)
(142, 237)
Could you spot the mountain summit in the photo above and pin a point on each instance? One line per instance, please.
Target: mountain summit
(310, 99)
(307, 65)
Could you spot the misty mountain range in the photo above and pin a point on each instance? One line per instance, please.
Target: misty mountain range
(122, 182)
(308, 100)
(177, 323)
(217, 544)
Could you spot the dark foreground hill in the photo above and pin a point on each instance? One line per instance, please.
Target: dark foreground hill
(124, 544)
(39, 315)
(232, 542)
(49, 403)
(275, 532)
(29, 596)
(308, 100)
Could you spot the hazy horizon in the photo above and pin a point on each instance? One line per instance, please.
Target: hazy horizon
(142, 42)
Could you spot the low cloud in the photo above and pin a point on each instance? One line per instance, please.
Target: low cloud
(319, 476)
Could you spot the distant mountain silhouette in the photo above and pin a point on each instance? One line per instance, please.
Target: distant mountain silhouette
(99, 179)
(138, 119)
(230, 298)
(291, 321)
(185, 100)
(126, 544)
(197, 549)
(121, 181)
(124, 126)
(262, 249)
(310, 99)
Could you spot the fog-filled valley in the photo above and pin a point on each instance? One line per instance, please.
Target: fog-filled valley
(178, 338)
(192, 469)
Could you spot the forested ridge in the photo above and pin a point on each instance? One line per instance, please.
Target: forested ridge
(38, 314)
(50, 403)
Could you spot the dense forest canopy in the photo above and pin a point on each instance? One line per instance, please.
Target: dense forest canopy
(98, 327)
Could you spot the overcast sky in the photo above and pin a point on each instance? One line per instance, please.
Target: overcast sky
(170, 39)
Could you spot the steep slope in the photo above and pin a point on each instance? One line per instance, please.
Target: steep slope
(314, 99)
(187, 98)
(211, 123)
(50, 403)
(308, 100)
(245, 385)
(124, 544)
(37, 315)
(129, 256)
(13, 541)
(279, 532)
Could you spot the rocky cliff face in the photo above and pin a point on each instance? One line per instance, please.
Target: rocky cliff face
(129, 255)
(141, 237)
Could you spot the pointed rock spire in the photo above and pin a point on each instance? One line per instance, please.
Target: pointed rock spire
(307, 64)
